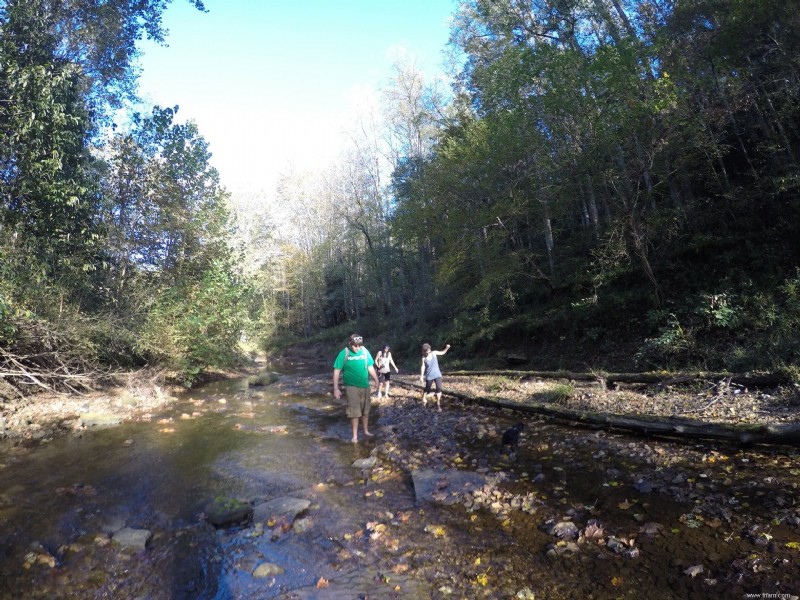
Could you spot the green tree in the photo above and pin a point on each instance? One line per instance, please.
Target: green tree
(168, 231)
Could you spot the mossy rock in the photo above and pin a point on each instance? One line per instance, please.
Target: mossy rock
(262, 379)
(226, 512)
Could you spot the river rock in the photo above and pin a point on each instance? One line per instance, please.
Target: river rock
(267, 570)
(226, 512)
(99, 419)
(365, 463)
(445, 486)
(280, 508)
(135, 539)
(566, 530)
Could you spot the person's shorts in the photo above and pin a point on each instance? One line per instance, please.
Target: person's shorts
(358, 400)
(429, 384)
(385, 376)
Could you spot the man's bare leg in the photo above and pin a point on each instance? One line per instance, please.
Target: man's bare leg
(365, 421)
(355, 429)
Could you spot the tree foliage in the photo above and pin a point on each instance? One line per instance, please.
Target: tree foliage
(597, 156)
(117, 245)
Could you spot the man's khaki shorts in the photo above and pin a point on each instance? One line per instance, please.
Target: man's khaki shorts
(358, 400)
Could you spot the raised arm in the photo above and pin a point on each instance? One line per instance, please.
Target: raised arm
(440, 352)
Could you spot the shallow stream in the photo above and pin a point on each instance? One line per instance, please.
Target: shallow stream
(652, 519)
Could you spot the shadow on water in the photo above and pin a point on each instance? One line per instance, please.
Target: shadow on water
(363, 532)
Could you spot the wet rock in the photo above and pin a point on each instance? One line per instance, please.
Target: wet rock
(303, 525)
(365, 463)
(616, 544)
(135, 539)
(100, 419)
(267, 570)
(566, 530)
(446, 486)
(225, 512)
(285, 508)
(563, 549)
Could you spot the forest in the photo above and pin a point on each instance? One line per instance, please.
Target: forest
(601, 184)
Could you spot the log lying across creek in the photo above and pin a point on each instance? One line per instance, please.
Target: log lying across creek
(648, 425)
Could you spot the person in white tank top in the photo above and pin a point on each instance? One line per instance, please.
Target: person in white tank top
(431, 374)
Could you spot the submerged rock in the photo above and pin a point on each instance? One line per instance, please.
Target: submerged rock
(132, 538)
(446, 486)
(262, 379)
(365, 463)
(267, 570)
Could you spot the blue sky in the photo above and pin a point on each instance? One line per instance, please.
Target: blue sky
(269, 82)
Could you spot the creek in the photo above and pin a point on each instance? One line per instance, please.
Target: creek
(573, 514)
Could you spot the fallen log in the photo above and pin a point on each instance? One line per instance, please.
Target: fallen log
(664, 379)
(648, 425)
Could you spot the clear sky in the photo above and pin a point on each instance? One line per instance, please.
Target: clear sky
(269, 81)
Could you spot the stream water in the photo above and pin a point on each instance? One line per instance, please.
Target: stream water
(651, 519)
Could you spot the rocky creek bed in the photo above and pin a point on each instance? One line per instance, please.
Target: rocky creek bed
(573, 512)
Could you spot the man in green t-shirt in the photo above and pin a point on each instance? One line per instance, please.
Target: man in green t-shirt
(356, 366)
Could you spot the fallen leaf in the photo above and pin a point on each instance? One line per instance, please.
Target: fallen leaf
(593, 531)
(437, 530)
(625, 505)
(322, 583)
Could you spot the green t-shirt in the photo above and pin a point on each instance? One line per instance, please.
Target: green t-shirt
(355, 369)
